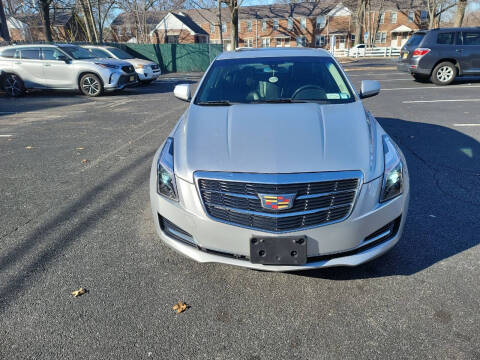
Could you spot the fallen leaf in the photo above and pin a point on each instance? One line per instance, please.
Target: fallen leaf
(79, 292)
(180, 307)
(84, 161)
(29, 147)
(80, 148)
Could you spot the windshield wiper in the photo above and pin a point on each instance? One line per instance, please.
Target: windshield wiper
(215, 103)
(277, 101)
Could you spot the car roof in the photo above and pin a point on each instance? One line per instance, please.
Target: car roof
(245, 53)
(97, 46)
(476, 28)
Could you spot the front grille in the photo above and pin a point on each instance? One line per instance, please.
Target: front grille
(123, 79)
(316, 202)
(128, 69)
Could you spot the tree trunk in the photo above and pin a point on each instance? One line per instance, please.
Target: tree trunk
(360, 12)
(92, 21)
(234, 12)
(86, 20)
(461, 5)
(3, 24)
(220, 21)
(45, 10)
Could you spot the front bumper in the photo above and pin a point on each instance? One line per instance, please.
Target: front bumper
(339, 244)
(146, 74)
(120, 80)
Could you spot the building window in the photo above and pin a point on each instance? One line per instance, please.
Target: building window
(224, 27)
(319, 40)
(321, 22)
(212, 28)
(264, 25)
(265, 42)
(303, 23)
(393, 18)
(423, 16)
(275, 24)
(411, 16)
(249, 25)
(381, 18)
(171, 39)
(283, 42)
(301, 41)
(248, 42)
(381, 38)
(290, 24)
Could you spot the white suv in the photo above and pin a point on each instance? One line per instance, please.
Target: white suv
(66, 67)
(147, 70)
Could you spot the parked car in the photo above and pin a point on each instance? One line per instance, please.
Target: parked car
(66, 67)
(276, 165)
(147, 70)
(442, 54)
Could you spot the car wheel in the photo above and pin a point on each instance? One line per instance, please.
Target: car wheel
(13, 85)
(91, 85)
(444, 73)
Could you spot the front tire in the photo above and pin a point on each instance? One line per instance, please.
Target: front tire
(444, 73)
(13, 85)
(90, 85)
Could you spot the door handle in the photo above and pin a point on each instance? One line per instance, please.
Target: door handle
(47, 65)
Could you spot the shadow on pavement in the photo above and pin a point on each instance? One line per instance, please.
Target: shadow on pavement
(55, 240)
(444, 167)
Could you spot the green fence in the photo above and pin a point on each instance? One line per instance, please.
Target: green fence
(175, 57)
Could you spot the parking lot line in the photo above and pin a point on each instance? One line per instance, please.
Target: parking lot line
(6, 136)
(437, 101)
(466, 124)
(434, 87)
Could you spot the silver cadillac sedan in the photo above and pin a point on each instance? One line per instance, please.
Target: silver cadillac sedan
(277, 165)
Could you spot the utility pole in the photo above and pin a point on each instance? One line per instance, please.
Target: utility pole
(3, 24)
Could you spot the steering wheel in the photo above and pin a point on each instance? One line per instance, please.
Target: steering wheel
(307, 87)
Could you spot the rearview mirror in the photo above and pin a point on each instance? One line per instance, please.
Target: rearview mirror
(369, 88)
(183, 92)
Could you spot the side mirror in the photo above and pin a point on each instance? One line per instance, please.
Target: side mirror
(183, 92)
(63, 58)
(369, 88)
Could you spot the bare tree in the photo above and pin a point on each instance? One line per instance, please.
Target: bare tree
(461, 6)
(3, 24)
(45, 13)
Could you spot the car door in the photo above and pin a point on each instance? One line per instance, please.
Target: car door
(28, 65)
(471, 51)
(58, 70)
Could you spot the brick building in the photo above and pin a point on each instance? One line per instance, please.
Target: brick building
(311, 24)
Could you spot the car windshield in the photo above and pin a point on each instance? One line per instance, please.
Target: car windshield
(415, 39)
(119, 53)
(77, 52)
(270, 80)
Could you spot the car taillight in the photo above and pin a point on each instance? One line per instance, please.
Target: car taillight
(420, 52)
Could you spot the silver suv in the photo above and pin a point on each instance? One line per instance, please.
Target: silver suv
(276, 165)
(66, 67)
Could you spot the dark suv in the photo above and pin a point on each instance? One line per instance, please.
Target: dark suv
(442, 54)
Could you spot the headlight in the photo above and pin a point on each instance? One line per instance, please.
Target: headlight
(393, 174)
(109, 66)
(139, 66)
(166, 185)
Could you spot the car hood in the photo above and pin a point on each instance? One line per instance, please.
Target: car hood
(106, 61)
(275, 138)
(140, 62)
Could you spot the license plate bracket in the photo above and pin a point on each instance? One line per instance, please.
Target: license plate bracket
(278, 251)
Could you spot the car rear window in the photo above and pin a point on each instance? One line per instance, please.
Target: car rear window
(471, 38)
(415, 39)
(32, 54)
(446, 38)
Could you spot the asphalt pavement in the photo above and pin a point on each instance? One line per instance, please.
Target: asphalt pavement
(75, 213)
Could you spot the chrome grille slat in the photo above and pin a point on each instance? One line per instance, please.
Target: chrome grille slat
(323, 199)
